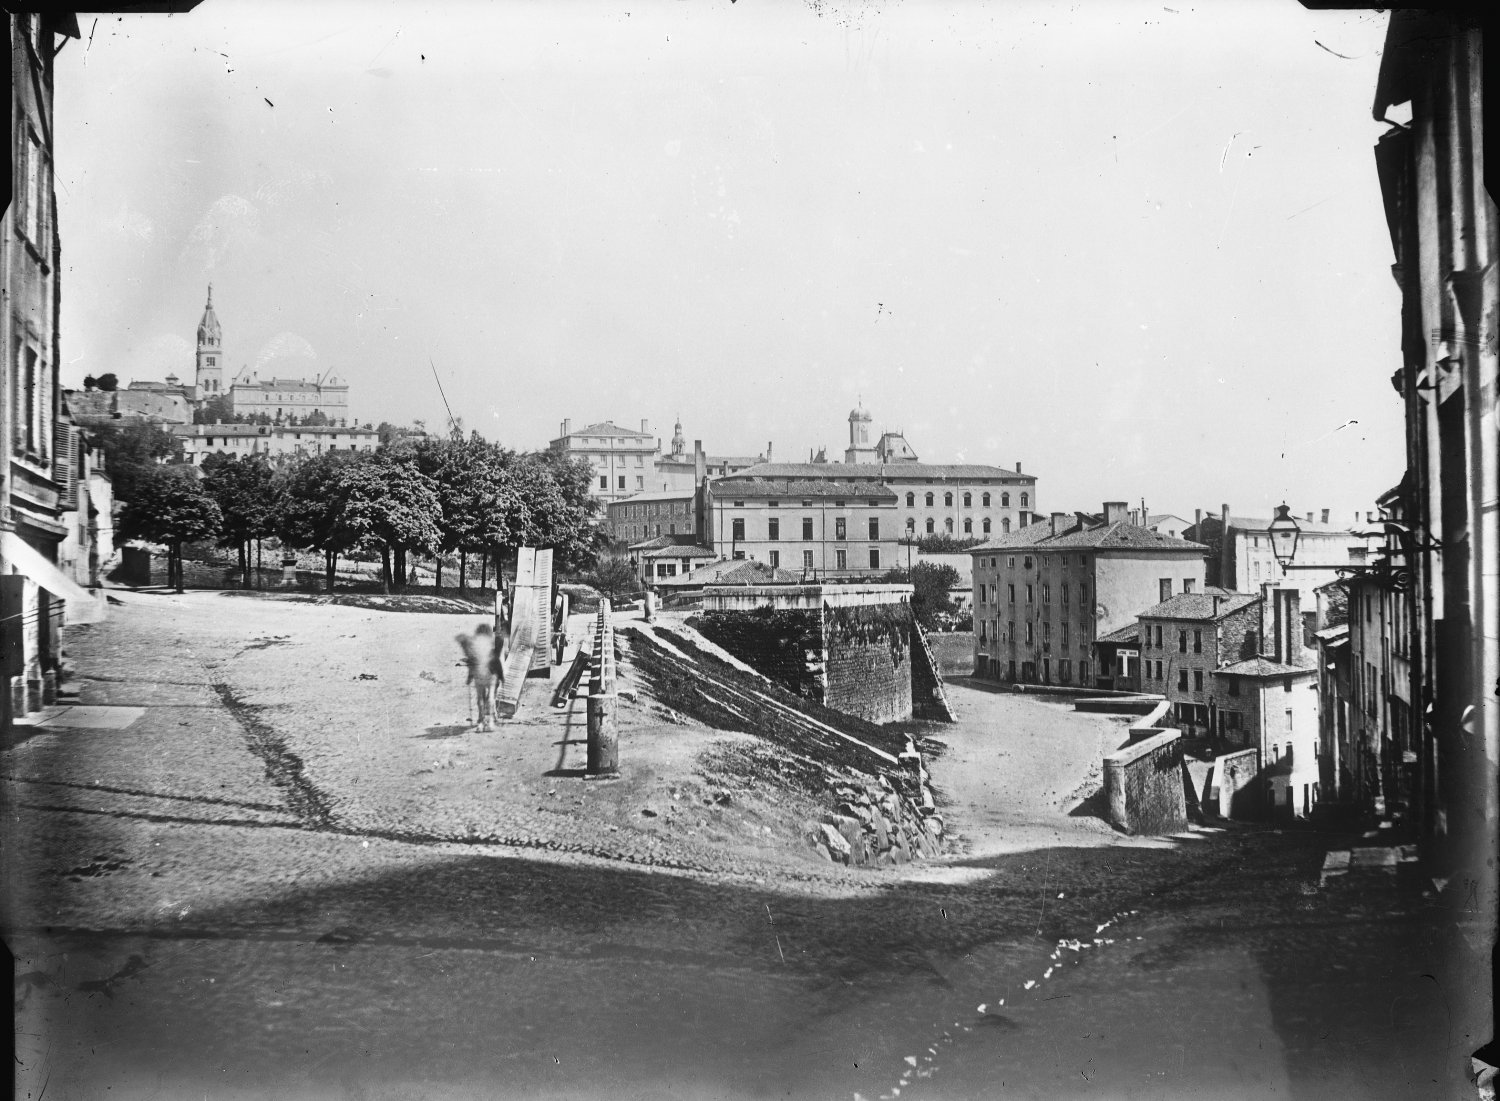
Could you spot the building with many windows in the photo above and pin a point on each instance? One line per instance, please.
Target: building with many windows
(1183, 639)
(1045, 593)
(624, 462)
(1241, 557)
(822, 527)
(198, 441)
(649, 515)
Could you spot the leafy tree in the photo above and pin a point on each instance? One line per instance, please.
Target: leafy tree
(169, 507)
(130, 451)
(943, 543)
(931, 584)
(218, 409)
(107, 382)
(613, 575)
(396, 506)
(312, 512)
(247, 493)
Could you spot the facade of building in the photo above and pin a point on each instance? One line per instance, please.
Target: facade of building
(282, 399)
(668, 561)
(1045, 593)
(1183, 640)
(1243, 560)
(1442, 222)
(819, 527)
(681, 470)
(40, 452)
(275, 441)
(624, 462)
(648, 515)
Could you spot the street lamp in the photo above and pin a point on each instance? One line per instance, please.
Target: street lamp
(1285, 535)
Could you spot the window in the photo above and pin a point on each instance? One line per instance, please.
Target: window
(1188, 584)
(1046, 592)
(1197, 680)
(911, 524)
(1025, 500)
(1005, 500)
(1158, 636)
(874, 558)
(968, 500)
(1011, 590)
(738, 529)
(1010, 561)
(1065, 671)
(1083, 593)
(929, 499)
(874, 527)
(984, 525)
(1065, 595)
(1197, 642)
(775, 557)
(1164, 589)
(807, 530)
(1182, 680)
(1286, 686)
(1065, 636)
(739, 556)
(839, 531)
(622, 481)
(1083, 672)
(947, 500)
(911, 499)
(968, 526)
(773, 529)
(841, 559)
(1234, 686)
(1026, 562)
(1289, 728)
(930, 527)
(739, 504)
(1030, 636)
(807, 560)
(640, 481)
(1159, 675)
(604, 482)
(1030, 594)
(1182, 642)
(948, 525)
(985, 500)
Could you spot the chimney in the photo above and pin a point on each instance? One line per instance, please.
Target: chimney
(567, 426)
(1059, 521)
(1309, 516)
(1114, 511)
(768, 451)
(1226, 576)
(1018, 468)
(1197, 520)
(1326, 511)
(700, 463)
(645, 426)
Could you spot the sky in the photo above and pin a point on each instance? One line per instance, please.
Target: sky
(1138, 249)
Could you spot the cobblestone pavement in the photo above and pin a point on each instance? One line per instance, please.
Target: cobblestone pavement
(255, 890)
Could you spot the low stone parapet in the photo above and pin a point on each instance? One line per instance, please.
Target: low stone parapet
(1143, 779)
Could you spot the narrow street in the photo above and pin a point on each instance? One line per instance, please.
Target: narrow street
(280, 868)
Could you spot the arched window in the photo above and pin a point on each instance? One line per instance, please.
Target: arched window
(911, 499)
(1005, 500)
(948, 525)
(911, 524)
(929, 525)
(1005, 525)
(947, 500)
(986, 500)
(986, 523)
(968, 526)
(929, 499)
(1025, 500)
(968, 500)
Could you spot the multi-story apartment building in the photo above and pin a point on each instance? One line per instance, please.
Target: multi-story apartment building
(1442, 222)
(682, 470)
(1045, 593)
(41, 507)
(274, 441)
(1183, 639)
(649, 515)
(1242, 558)
(624, 462)
(831, 529)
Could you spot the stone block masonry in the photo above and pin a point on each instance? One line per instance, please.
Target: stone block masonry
(849, 647)
(1143, 779)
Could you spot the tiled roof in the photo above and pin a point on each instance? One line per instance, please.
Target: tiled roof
(1213, 603)
(678, 552)
(1131, 632)
(748, 572)
(1259, 524)
(1079, 535)
(1330, 633)
(665, 495)
(1263, 667)
(736, 486)
(967, 472)
(605, 428)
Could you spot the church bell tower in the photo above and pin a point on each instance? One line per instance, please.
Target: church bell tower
(210, 375)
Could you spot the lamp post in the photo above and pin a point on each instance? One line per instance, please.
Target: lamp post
(1285, 535)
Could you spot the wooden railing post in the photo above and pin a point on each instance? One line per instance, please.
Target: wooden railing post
(603, 747)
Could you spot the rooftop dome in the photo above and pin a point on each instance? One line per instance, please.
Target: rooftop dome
(860, 413)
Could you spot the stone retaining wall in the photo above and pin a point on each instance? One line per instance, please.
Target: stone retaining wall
(1239, 792)
(875, 824)
(1143, 778)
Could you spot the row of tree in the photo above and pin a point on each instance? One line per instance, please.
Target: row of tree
(411, 500)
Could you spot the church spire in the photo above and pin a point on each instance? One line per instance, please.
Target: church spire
(209, 333)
